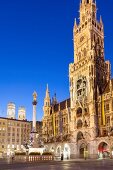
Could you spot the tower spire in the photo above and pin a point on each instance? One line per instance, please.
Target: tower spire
(47, 101)
(47, 92)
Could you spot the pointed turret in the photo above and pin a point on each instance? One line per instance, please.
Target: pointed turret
(47, 102)
(54, 99)
(75, 23)
(47, 93)
(90, 7)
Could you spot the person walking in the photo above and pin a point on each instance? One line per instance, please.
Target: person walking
(62, 157)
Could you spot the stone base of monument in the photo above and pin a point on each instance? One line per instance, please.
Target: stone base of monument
(35, 148)
(34, 139)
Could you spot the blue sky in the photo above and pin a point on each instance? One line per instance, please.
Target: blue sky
(36, 48)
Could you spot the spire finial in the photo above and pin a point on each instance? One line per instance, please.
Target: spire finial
(47, 87)
(101, 19)
(47, 92)
(75, 21)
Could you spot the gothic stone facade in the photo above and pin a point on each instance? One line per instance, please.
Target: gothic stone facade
(84, 122)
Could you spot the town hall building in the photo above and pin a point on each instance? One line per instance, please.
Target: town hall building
(83, 124)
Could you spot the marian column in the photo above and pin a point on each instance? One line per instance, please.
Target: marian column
(34, 111)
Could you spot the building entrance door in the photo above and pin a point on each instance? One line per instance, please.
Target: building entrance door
(82, 150)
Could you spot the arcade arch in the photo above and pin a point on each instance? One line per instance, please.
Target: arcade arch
(66, 151)
(103, 150)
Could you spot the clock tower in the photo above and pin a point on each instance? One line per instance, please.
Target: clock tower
(89, 73)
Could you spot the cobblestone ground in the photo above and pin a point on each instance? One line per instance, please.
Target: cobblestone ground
(60, 165)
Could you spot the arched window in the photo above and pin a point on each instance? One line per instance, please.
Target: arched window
(79, 124)
(79, 112)
(79, 136)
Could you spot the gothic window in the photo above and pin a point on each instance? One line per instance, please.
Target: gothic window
(79, 112)
(79, 83)
(79, 136)
(88, 1)
(83, 26)
(86, 23)
(79, 124)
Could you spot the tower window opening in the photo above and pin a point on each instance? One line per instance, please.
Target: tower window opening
(79, 112)
(86, 23)
(79, 124)
(93, 23)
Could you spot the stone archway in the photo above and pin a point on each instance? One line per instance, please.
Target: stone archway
(58, 151)
(66, 151)
(82, 149)
(52, 149)
(103, 150)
